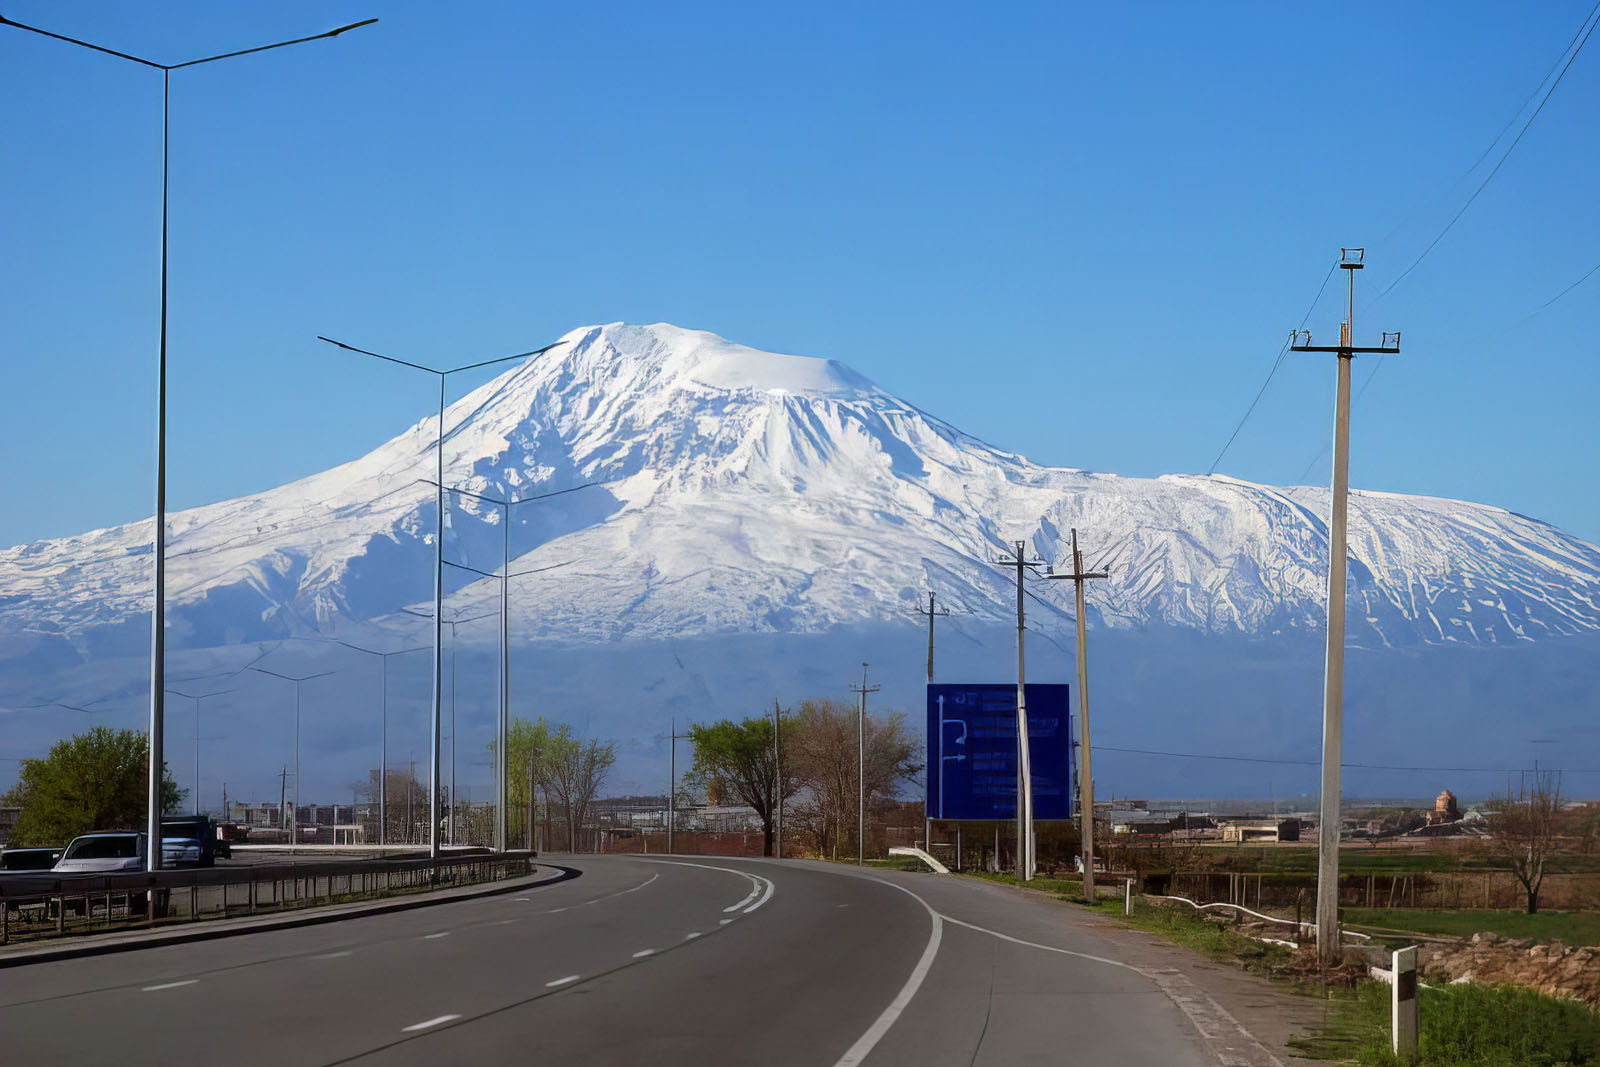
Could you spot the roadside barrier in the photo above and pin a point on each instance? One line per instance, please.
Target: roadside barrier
(48, 905)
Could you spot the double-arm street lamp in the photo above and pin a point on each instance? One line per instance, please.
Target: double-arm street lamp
(158, 610)
(383, 744)
(501, 771)
(438, 558)
(197, 698)
(294, 823)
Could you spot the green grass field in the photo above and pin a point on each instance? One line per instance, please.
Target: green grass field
(1362, 859)
(1572, 928)
(1462, 1026)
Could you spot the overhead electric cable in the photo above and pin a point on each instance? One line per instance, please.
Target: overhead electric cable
(1276, 363)
(1317, 763)
(1512, 121)
(1587, 275)
(1590, 22)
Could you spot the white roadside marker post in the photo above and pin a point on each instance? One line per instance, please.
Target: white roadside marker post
(1403, 1004)
(1127, 897)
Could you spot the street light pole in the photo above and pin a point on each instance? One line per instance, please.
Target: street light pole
(157, 744)
(438, 559)
(504, 731)
(294, 823)
(383, 744)
(197, 698)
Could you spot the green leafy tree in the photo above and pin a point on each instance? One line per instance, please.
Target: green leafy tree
(90, 781)
(737, 760)
(528, 751)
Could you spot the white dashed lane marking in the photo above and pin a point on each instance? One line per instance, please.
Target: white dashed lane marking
(333, 955)
(414, 1027)
(563, 981)
(441, 933)
(642, 953)
(168, 985)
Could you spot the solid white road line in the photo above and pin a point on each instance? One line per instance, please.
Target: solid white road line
(168, 985)
(880, 1026)
(764, 897)
(755, 879)
(563, 981)
(431, 1022)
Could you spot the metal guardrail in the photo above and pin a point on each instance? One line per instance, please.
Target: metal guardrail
(47, 905)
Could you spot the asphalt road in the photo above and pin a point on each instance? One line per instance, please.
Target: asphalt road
(658, 960)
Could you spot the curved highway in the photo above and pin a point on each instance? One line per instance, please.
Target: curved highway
(643, 960)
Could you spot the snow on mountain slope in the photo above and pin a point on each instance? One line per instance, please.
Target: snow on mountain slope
(735, 490)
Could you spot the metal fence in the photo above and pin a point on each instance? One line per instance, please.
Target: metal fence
(34, 908)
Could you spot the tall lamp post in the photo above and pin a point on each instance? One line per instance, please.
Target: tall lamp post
(383, 743)
(158, 610)
(452, 623)
(294, 823)
(502, 753)
(197, 698)
(438, 556)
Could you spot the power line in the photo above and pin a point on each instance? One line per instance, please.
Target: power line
(1512, 121)
(1276, 363)
(1587, 274)
(1315, 763)
(1590, 22)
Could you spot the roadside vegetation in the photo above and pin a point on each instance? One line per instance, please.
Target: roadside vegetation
(95, 780)
(1570, 928)
(1461, 1026)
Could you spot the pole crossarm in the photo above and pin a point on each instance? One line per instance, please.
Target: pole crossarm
(292, 678)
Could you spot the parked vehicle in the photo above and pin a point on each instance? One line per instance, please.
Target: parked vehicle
(28, 859)
(201, 830)
(105, 851)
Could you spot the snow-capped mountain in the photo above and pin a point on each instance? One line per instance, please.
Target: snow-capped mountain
(733, 490)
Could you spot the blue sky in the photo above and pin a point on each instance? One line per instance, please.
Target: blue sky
(1077, 232)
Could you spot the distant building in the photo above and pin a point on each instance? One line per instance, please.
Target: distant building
(1444, 810)
(1273, 830)
(8, 819)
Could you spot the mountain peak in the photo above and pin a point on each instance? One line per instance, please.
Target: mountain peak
(696, 360)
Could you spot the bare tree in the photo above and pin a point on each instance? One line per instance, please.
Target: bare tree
(1525, 828)
(577, 769)
(825, 760)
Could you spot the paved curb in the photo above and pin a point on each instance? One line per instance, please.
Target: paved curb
(212, 929)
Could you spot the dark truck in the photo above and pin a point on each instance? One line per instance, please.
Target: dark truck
(201, 830)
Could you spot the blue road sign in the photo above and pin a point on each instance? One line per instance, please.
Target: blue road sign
(972, 752)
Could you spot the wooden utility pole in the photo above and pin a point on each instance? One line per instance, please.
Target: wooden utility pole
(861, 765)
(1085, 767)
(1025, 852)
(1333, 678)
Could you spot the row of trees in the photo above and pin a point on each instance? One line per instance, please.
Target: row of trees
(812, 756)
(91, 781)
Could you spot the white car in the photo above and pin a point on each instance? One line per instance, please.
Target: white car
(105, 851)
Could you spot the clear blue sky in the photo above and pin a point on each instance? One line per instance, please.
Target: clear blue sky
(1078, 232)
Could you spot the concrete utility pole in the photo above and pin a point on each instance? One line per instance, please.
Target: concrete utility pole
(861, 765)
(672, 785)
(1085, 768)
(930, 611)
(1333, 679)
(1025, 850)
